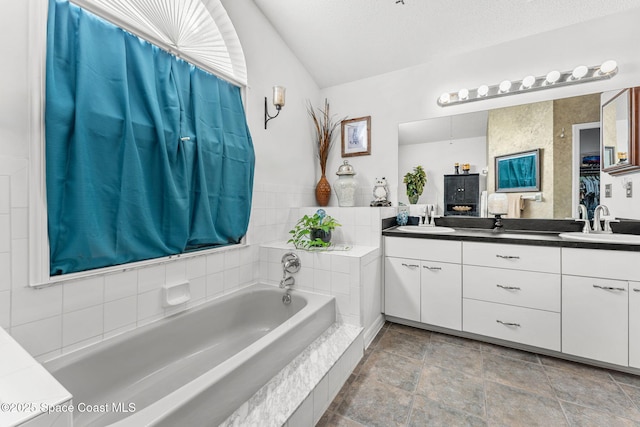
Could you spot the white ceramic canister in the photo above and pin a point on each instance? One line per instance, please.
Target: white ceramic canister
(346, 185)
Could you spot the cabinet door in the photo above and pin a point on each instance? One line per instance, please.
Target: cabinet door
(634, 324)
(595, 321)
(441, 294)
(402, 288)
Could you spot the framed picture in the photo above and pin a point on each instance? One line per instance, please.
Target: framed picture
(518, 172)
(356, 137)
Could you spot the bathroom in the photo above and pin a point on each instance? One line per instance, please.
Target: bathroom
(60, 318)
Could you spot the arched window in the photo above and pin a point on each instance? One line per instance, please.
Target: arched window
(180, 133)
(198, 31)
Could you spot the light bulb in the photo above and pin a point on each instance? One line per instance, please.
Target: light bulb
(608, 66)
(445, 98)
(553, 76)
(463, 94)
(579, 72)
(505, 86)
(483, 90)
(528, 81)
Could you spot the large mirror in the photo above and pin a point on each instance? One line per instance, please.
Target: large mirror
(620, 152)
(566, 131)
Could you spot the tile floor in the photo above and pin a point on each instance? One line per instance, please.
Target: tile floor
(412, 377)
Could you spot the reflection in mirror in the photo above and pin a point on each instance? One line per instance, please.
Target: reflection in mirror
(477, 138)
(615, 135)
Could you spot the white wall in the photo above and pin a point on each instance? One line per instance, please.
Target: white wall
(438, 159)
(77, 313)
(284, 151)
(410, 94)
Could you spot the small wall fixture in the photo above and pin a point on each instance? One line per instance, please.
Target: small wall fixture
(580, 74)
(278, 101)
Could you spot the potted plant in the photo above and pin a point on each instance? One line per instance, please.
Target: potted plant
(415, 184)
(313, 231)
(325, 128)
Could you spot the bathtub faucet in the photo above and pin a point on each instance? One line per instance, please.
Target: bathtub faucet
(287, 282)
(290, 265)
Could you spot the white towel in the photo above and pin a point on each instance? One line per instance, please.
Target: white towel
(516, 205)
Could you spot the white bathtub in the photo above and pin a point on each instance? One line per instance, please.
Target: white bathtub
(194, 368)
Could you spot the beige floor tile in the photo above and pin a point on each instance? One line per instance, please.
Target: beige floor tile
(372, 403)
(429, 413)
(581, 416)
(574, 387)
(451, 356)
(403, 344)
(508, 406)
(391, 369)
(509, 352)
(453, 388)
(516, 373)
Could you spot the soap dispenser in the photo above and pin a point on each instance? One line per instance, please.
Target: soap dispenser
(346, 185)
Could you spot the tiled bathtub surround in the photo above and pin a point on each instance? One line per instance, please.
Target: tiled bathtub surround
(76, 313)
(353, 277)
(80, 312)
(302, 391)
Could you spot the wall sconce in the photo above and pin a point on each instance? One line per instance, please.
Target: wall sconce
(580, 74)
(278, 101)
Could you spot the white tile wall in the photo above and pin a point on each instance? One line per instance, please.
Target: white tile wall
(64, 316)
(336, 273)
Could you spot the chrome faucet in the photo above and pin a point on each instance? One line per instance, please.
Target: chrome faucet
(584, 218)
(287, 282)
(290, 265)
(601, 211)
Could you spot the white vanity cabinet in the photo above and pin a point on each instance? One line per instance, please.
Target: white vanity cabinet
(423, 281)
(402, 288)
(596, 320)
(440, 294)
(512, 292)
(634, 324)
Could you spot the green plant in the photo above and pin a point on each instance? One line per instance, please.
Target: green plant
(415, 183)
(310, 230)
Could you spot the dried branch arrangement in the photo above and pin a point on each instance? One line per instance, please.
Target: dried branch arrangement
(325, 127)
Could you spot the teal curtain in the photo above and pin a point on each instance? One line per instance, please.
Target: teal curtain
(146, 155)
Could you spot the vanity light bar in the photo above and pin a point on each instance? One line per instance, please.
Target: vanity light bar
(580, 74)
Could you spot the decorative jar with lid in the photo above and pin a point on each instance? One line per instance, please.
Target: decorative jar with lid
(346, 185)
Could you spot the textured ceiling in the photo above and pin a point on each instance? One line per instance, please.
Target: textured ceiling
(340, 41)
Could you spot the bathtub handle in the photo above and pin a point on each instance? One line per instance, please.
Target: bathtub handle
(290, 263)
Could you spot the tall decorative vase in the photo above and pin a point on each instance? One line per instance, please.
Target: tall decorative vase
(323, 191)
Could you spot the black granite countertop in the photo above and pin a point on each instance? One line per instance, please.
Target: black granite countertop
(520, 232)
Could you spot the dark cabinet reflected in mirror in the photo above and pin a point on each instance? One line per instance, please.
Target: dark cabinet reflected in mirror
(619, 117)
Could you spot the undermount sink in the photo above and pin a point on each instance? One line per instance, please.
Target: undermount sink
(624, 239)
(423, 229)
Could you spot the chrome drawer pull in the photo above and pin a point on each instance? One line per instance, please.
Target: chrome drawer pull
(517, 325)
(410, 265)
(509, 288)
(432, 268)
(636, 290)
(609, 288)
(507, 256)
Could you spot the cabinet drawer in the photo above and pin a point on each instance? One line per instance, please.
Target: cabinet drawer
(426, 249)
(523, 325)
(522, 288)
(519, 257)
(621, 265)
